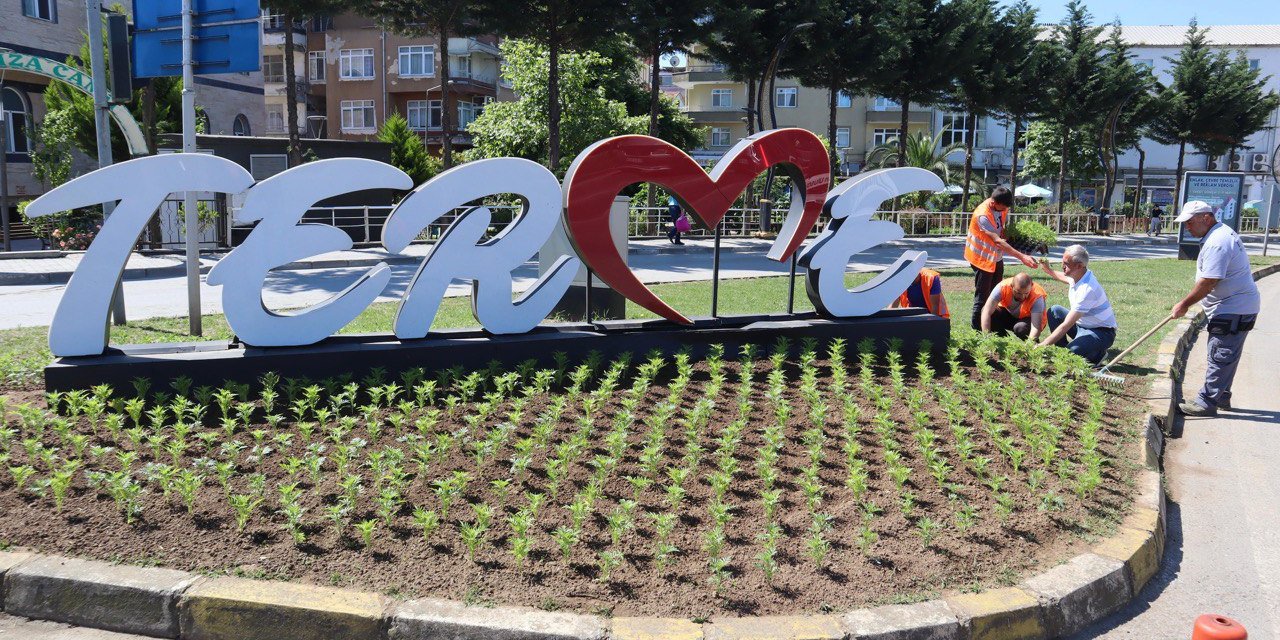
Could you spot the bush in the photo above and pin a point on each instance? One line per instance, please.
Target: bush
(1031, 237)
(67, 230)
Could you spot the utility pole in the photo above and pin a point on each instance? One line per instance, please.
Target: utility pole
(192, 224)
(4, 168)
(98, 67)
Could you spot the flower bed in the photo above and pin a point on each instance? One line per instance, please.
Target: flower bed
(801, 479)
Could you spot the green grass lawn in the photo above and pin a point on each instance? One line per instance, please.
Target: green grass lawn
(1141, 292)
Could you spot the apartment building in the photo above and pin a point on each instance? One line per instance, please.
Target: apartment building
(357, 74)
(54, 29)
(713, 100)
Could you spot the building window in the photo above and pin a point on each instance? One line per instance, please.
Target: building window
(785, 97)
(1144, 62)
(844, 100)
(15, 121)
(357, 115)
(1254, 63)
(315, 66)
(203, 123)
(273, 68)
(460, 66)
(883, 136)
(885, 104)
(722, 98)
(275, 118)
(417, 114)
(953, 129)
(355, 64)
(241, 126)
(320, 25)
(467, 113)
(417, 60)
(41, 9)
(719, 136)
(842, 137)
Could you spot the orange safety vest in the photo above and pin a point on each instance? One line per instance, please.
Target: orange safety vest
(980, 247)
(1037, 292)
(926, 279)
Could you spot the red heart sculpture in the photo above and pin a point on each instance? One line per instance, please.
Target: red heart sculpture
(607, 167)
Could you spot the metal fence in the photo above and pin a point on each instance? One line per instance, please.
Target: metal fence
(364, 223)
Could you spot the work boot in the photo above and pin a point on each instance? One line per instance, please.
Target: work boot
(1195, 409)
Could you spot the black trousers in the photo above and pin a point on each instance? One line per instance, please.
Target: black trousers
(983, 284)
(1003, 323)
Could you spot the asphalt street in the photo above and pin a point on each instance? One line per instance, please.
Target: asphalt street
(34, 305)
(1222, 555)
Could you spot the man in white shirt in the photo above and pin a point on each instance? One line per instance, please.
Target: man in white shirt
(1090, 323)
(1225, 289)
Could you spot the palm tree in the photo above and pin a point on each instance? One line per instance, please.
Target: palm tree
(923, 150)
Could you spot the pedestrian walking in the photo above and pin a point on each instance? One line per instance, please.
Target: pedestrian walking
(1157, 221)
(1104, 221)
(1225, 288)
(1090, 323)
(985, 248)
(679, 221)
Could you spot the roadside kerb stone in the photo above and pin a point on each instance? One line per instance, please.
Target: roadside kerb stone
(1137, 549)
(814, 627)
(9, 560)
(239, 609)
(640, 628)
(139, 600)
(932, 620)
(431, 619)
(999, 614)
(1075, 594)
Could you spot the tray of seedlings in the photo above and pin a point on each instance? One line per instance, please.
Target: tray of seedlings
(793, 477)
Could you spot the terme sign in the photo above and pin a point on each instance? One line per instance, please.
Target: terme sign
(581, 204)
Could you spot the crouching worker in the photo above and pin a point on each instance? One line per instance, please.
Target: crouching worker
(1017, 305)
(925, 292)
(1090, 323)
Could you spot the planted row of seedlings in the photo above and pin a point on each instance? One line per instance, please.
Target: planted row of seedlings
(798, 459)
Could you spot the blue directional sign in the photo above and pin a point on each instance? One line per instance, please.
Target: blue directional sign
(227, 36)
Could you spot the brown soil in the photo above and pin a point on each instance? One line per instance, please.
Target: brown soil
(898, 566)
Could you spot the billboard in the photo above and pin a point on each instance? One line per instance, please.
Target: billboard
(1222, 191)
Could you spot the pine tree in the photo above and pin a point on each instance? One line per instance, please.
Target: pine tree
(1026, 82)
(927, 49)
(408, 153)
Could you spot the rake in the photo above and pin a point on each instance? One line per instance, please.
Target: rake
(1106, 378)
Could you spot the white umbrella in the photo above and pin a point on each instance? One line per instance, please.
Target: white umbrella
(951, 190)
(1031, 191)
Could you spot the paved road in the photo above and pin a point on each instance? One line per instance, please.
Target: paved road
(15, 628)
(34, 305)
(1223, 474)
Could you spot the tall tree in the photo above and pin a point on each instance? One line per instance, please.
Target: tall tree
(442, 18)
(743, 34)
(1077, 92)
(980, 85)
(1025, 85)
(1212, 102)
(662, 26)
(559, 26)
(837, 53)
(1131, 106)
(927, 49)
(621, 81)
(290, 12)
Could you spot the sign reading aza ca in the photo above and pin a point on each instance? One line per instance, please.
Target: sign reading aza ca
(581, 204)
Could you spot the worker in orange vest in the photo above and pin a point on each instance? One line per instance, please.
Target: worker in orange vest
(985, 248)
(925, 292)
(1017, 305)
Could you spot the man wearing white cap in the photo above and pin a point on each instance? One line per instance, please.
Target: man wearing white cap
(1225, 289)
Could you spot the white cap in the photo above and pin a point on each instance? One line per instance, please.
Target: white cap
(1193, 208)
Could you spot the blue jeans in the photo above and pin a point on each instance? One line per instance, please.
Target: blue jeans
(1090, 344)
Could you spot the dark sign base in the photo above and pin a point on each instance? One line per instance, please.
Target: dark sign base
(210, 363)
(606, 304)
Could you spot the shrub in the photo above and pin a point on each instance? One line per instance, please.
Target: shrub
(1030, 236)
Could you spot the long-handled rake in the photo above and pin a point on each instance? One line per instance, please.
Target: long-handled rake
(1110, 379)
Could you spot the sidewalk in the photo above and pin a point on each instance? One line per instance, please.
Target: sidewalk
(1223, 485)
(56, 267)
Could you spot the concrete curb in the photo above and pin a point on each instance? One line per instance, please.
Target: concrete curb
(61, 277)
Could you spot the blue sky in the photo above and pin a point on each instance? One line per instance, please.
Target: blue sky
(1179, 12)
